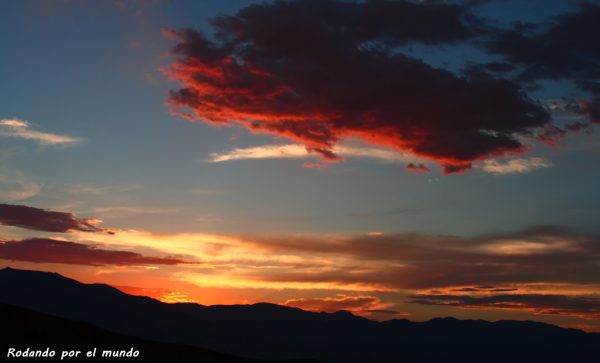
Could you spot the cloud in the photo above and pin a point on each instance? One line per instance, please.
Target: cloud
(344, 76)
(295, 151)
(421, 261)
(22, 130)
(261, 152)
(566, 49)
(46, 250)
(120, 210)
(417, 168)
(43, 220)
(586, 307)
(161, 294)
(101, 190)
(362, 304)
(544, 260)
(571, 33)
(381, 262)
(17, 187)
(512, 166)
(542, 270)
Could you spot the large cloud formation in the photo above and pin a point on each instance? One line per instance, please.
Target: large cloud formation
(43, 220)
(46, 250)
(318, 72)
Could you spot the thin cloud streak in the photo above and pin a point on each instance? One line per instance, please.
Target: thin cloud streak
(20, 129)
(119, 210)
(295, 151)
(47, 250)
(413, 164)
(17, 187)
(585, 307)
(514, 166)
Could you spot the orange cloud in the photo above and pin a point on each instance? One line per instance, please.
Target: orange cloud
(360, 305)
(161, 294)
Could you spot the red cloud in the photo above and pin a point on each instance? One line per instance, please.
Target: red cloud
(44, 220)
(46, 250)
(341, 76)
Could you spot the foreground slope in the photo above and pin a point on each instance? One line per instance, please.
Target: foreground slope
(24, 328)
(277, 332)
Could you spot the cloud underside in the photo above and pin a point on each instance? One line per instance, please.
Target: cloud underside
(47, 250)
(20, 129)
(346, 76)
(43, 220)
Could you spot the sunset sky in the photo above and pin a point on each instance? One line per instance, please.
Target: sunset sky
(408, 159)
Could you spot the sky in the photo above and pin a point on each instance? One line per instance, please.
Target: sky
(397, 159)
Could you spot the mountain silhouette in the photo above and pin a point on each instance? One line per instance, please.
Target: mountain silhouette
(24, 328)
(267, 331)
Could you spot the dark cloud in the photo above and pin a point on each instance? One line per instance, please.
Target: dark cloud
(43, 220)
(592, 108)
(45, 250)
(417, 168)
(587, 307)
(566, 49)
(343, 76)
(419, 261)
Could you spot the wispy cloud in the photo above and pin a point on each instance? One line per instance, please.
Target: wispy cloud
(514, 166)
(16, 187)
(22, 130)
(101, 190)
(134, 210)
(295, 151)
(413, 163)
(289, 151)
